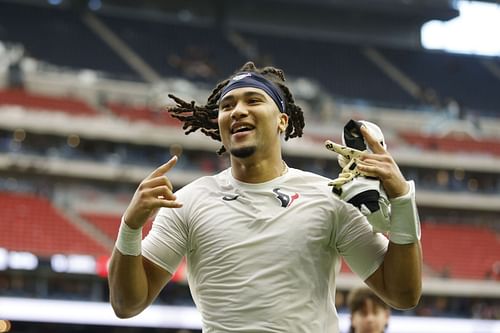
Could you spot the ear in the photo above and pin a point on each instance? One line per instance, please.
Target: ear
(283, 122)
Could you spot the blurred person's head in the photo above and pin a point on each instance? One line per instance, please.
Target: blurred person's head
(369, 314)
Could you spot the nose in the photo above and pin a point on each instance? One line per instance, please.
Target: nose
(239, 111)
(370, 317)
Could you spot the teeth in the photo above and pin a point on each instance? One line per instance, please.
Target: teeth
(241, 129)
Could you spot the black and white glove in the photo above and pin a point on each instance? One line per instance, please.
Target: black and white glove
(366, 193)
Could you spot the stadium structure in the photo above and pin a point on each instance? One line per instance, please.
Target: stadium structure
(83, 90)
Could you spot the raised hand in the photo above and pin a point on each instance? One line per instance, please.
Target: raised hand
(377, 164)
(154, 192)
(369, 178)
(381, 165)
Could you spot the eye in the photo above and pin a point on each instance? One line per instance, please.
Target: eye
(225, 106)
(253, 101)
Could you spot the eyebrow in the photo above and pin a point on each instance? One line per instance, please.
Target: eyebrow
(245, 94)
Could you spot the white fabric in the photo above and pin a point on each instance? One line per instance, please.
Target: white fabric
(258, 264)
(128, 241)
(380, 220)
(405, 223)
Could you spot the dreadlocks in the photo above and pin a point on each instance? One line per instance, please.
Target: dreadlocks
(204, 117)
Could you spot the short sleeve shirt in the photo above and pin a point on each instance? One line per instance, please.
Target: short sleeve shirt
(264, 257)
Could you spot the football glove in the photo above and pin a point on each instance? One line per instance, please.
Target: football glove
(366, 193)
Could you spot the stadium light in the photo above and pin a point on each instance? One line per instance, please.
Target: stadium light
(17, 260)
(78, 264)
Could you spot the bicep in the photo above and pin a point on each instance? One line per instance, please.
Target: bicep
(166, 243)
(361, 248)
(162, 252)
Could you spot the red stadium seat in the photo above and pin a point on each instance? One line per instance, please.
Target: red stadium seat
(143, 113)
(452, 144)
(33, 101)
(459, 250)
(33, 224)
(109, 223)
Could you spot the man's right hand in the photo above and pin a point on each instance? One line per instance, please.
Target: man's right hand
(154, 192)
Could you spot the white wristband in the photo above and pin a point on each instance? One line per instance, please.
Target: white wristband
(405, 223)
(129, 240)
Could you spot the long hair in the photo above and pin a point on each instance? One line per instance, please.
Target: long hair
(204, 117)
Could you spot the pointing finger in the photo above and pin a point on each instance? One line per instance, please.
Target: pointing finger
(347, 152)
(158, 181)
(164, 168)
(375, 146)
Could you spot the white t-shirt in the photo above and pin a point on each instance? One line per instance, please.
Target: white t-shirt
(263, 257)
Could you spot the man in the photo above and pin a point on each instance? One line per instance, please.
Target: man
(369, 314)
(263, 241)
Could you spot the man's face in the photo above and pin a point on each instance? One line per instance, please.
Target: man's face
(250, 122)
(372, 318)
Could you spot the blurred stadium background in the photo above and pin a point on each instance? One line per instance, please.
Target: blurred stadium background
(82, 87)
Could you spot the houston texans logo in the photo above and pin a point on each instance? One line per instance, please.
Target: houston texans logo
(285, 199)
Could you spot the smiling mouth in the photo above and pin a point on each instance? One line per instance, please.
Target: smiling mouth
(242, 129)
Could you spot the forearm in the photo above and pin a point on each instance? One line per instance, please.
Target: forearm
(399, 279)
(134, 281)
(403, 260)
(128, 284)
(402, 275)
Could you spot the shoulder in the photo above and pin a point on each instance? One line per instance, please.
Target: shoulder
(316, 185)
(202, 189)
(205, 184)
(310, 180)
(196, 194)
(295, 173)
(315, 188)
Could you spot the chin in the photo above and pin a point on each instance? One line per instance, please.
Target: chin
(243, 152)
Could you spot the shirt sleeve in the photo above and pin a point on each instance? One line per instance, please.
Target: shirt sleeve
(362, 249)
(166, 243)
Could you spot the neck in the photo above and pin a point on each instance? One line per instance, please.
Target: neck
(251, 170)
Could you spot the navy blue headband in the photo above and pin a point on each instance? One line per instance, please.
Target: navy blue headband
(250, 79)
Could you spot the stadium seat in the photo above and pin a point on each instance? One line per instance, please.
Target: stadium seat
(452, 144)
(33, 224)
(109, 223)
(143, 113)
(458, 76)
(60, 38)
(459, 250)
(37, 102)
